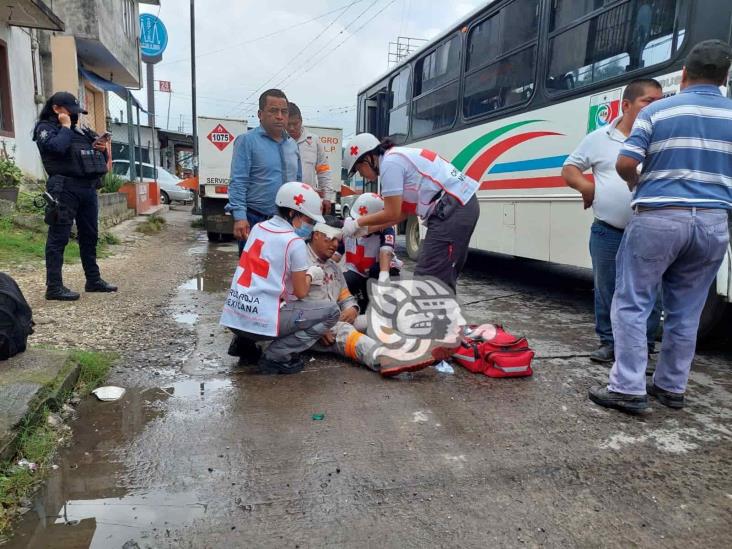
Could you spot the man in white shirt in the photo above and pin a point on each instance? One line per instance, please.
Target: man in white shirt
(610, 198)
(315, 167)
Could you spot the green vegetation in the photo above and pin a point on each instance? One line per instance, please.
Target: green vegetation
(152, 225)
(38, 440)
(10, 174)
(19, 244)
(111, 182)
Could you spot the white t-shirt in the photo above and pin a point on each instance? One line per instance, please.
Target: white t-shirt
(599, 151)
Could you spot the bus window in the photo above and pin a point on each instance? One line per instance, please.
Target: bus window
(436, 107)
(399, 106)
(623, 38)
(501, 59)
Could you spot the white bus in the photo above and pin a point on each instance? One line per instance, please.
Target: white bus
(510, 91)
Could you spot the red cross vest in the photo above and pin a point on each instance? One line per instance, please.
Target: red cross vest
(362, 253)
(258, 287)
(437, 175)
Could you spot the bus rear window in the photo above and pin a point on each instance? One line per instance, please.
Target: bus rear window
(624, 38)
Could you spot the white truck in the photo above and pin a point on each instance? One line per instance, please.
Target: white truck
(215, 147)
(332, 141)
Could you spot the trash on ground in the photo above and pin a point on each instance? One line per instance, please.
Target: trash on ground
(318, 417)
(54, 420)
(444, 368)
(109, 393)
(25, 464)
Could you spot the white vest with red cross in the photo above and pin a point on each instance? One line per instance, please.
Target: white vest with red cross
(362, 253)
(258, 287)
(437, 175)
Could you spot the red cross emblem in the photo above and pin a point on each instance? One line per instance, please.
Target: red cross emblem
(354, 151)
(252, 262)
(363, 210)
(299, 199)
(359, 260)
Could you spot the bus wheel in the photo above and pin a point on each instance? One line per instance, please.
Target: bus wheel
(213, 236)
(712, 313)
(413, 241)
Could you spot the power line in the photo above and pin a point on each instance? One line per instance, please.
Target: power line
(263, 37)
(300, 53)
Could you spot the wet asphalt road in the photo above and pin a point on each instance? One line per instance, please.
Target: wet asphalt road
(207, 455)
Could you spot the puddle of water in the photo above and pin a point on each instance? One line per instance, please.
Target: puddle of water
(186, 318)
(84, 503)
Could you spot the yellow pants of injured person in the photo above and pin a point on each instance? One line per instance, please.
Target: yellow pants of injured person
(329, 284)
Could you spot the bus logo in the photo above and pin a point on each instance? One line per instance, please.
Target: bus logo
(604, 108)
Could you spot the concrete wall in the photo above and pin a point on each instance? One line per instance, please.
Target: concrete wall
(65, 70)
(113, 209)
(123, 45)
(25, 109)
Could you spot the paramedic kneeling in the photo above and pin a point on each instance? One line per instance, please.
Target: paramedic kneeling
(273, 276)
(418, 181)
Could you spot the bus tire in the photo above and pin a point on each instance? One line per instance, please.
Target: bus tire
(213, 236)
(413, 239)
(712, 313)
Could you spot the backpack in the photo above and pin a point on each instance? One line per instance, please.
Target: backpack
(490, 350)
(16, 318)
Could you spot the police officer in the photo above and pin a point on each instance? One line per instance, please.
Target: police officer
(75, 159)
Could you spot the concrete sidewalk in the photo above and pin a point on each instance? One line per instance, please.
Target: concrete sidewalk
(28, 382)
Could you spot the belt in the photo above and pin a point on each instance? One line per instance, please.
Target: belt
(640, 208)
(607, 225)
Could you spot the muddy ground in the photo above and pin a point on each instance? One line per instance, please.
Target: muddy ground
(200, 453)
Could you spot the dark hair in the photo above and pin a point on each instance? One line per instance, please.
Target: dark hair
(294, 110)
(47, 112)
(384, 146)
(285, 212)
(333, 221)
(636, 88)
(274, 92)
(708, 73)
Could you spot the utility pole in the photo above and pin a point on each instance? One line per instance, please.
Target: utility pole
(194, 121)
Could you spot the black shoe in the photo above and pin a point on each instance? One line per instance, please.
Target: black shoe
(99, 286)
(61, 294)
(667, 398)
(271, 367)
(245, 349)
(620, 401)
(605, 354)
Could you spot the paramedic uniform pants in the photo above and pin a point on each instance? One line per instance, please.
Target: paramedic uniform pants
(445, 247)
(681, 250)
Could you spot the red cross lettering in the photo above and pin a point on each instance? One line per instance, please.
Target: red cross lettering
(305, 186)
(363, 210)
(299, 199)
(252, 262)
(354, 151)
(359, 260)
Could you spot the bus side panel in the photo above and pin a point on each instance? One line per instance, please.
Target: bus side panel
(491, 232)
(533, 221)
(570, 234)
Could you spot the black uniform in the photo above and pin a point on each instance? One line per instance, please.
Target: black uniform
(75, 170)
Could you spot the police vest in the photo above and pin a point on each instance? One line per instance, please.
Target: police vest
(258, 287)
(362, 253)
(437, 175)
(80, 161)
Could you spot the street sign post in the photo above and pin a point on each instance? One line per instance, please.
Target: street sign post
(153, 38)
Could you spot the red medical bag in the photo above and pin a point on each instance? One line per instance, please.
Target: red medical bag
(500, 355)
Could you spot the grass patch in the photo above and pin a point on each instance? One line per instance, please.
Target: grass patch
(38, 441)
(20, 244)
(109, 239)
(197, 223)
(152, 225)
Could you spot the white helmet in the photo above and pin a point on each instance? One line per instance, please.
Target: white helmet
(358, 146)
(301, 197)
(366, 204)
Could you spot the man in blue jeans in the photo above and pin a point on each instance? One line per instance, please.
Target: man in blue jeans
(679, 232)
(264, 159)
(610, 199)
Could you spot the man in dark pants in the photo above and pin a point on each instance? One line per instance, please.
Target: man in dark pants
(75, 159)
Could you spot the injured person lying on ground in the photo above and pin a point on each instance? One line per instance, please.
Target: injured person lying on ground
(347, 338)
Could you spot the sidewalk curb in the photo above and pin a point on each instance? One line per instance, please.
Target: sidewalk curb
(33, 396)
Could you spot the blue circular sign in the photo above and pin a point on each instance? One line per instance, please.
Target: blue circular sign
(153, 36)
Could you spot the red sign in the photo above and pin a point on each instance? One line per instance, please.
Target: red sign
(220, 137)
(164, 86)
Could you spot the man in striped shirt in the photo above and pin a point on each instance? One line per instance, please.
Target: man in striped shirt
(679, 232)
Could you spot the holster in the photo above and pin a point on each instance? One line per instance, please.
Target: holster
(53, 212)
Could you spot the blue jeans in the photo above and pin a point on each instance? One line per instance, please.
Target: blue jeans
(604, 243)
(253, 217)
(683, 249)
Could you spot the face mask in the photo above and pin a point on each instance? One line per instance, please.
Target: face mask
(304, 230)
(74, 119)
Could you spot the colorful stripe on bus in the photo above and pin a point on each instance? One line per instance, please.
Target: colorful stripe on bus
(485, 162)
